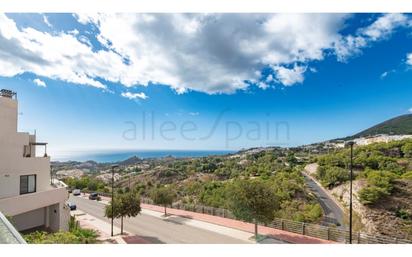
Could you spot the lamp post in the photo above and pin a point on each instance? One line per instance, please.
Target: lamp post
(350, 143)
(113, 168)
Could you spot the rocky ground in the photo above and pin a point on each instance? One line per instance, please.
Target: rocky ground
(385, 216)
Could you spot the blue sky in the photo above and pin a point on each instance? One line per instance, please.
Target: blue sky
(215, 81)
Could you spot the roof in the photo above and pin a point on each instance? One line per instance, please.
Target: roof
(9, 234)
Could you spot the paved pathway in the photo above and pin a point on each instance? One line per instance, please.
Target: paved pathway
(332, 212)
(244, 226)
(173, 229)
(274, 235)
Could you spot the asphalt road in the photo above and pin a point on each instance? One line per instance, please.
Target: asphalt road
(155, 230)
(333, 213)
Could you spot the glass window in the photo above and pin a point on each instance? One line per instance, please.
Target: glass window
(27, 184)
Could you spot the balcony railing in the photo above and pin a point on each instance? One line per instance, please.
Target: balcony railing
(8, 93)
(28, 149)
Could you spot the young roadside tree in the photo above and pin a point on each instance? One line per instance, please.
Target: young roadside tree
(115, 213)
(163, 196)
(129, 206)
(125, 205)
(253, 201)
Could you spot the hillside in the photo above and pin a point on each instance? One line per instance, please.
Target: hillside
(401, 125)
(382, 188)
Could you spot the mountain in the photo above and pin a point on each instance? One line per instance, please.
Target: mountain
(131, 161)
(401, 125)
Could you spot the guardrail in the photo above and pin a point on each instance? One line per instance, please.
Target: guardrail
(308, 229)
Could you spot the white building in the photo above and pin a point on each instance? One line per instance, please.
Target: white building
(27, 193)
(380, 139)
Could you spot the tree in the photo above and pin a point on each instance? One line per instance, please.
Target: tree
(253, 201)
(332, 176)
(407, 149)
(125, 205)
(163, 196)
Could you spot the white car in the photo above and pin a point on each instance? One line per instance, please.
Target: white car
(76, 192)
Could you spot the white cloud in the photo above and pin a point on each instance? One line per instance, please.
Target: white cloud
(387, 73)
(381, 28)
(291, 76)
(385, 25)
(39, 82)
(263, 85)
(194, 113)
(59, 56)
(383, 75)
(133, 96)
(46, 20)
(212, 53)
(410, 110)
(409, 59)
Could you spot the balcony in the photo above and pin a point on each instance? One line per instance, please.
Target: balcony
(23, 203)
(29, 151)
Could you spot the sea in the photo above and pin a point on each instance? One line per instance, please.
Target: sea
(116, 156)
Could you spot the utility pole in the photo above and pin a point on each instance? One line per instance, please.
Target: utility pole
(351, 143)
(113, 168)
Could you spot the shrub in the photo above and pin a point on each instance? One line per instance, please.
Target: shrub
(379, 185)
(407, 175)
(403, 214)
(407, 149)
(382, 179)
(297, 210)
(79, 236)
(371, 194)
(332, 176)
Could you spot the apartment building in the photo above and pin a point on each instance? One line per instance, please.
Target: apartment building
(27, 192)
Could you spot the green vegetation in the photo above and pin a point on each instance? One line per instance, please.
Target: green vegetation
(379, 186)
(401, 125)
(381, 164)
(124, 205)
(407, 175)
(75, 235)
(86, 182)
(253, 201)
(331, 176)
(163, 196)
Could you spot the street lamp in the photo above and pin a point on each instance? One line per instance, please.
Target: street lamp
(113, 168)
(350, 143)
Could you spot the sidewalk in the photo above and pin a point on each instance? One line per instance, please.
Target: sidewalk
(104, 229)
(236, 224)
(240, 225)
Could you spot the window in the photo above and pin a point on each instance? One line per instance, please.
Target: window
(27, 184)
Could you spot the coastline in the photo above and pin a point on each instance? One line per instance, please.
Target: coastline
(116, 156)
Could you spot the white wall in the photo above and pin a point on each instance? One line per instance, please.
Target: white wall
(47, 205)
(12, 162)
(30, 219)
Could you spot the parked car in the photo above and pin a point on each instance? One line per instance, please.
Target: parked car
(69, 190)
(76, 192)
(71, 206)
(94, 196)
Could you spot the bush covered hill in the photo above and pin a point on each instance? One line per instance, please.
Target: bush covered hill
(401, 125)
(386, 170)
(206, 180)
